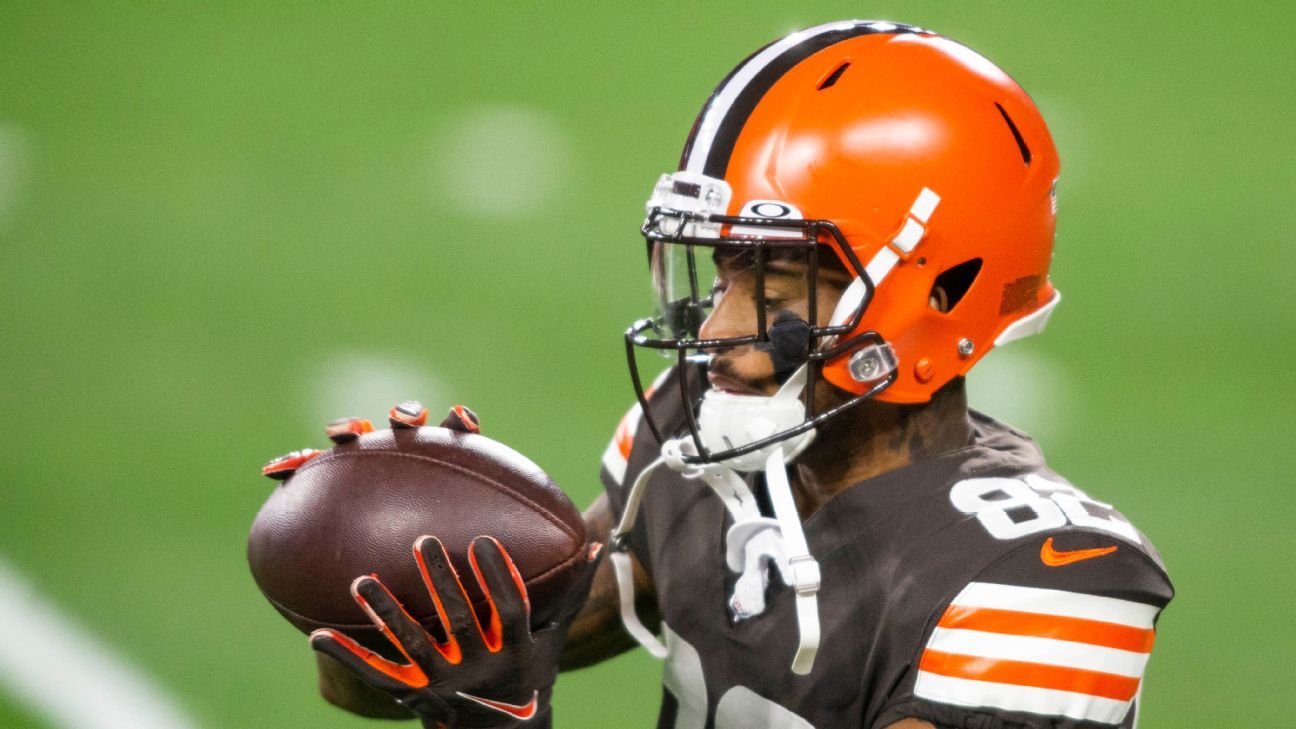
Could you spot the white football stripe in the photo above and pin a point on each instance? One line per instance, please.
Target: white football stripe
(1057, 602)
(724, 100)
(66, 675)
(1038, 650)
(1049, 702)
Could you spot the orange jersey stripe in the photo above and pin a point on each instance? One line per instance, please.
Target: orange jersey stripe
(1038, 675)
(1057, 627)
(624, 436)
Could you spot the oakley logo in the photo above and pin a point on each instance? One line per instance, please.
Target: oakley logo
(773, 209)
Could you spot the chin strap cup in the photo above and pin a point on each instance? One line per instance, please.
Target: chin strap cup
(727, 421)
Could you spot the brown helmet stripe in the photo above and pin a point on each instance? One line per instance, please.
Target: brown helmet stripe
(715, 132)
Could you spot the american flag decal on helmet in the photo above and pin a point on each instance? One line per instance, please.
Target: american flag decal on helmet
(1049, 652)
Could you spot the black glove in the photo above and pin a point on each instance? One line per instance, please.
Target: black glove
(490, 676)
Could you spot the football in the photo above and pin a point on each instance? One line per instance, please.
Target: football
(357, 509)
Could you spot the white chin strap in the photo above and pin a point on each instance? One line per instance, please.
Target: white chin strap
(754, 543)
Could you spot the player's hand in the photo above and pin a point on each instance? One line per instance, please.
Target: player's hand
(500, 674)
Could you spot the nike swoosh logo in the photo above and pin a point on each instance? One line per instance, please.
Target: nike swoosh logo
(1056, 558)
(517, 711)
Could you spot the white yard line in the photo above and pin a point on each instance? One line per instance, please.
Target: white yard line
(70, 678)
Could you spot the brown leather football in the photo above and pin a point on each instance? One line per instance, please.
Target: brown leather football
(358, 508)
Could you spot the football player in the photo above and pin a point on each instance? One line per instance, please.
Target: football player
(805, 520)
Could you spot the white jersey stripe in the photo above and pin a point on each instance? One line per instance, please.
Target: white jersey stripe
(1049, 702)
(1038, 650)
(614, 462)
(1057, 602)
(724, 100)
(613, 459)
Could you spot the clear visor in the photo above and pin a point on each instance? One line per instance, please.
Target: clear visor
(748, 289)
(683, 278)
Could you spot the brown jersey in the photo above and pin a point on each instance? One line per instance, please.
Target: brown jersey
(975, 589)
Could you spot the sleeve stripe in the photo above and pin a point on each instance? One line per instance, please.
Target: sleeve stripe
(614, 462)
(1049, 652)
(964, 692)
(1057, 602)
(1037, 675)
(625, 432)
(1077, 630)
(1038, 650)
(617, 455)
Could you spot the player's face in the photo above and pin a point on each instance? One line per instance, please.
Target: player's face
(747, 369)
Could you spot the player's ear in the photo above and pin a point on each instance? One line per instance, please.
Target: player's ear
(939, 299)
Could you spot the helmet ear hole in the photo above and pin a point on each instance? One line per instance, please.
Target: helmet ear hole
(952, 284)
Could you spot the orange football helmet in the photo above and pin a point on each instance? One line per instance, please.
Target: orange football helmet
(925, 169)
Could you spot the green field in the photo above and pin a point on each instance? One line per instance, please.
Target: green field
(224, 224)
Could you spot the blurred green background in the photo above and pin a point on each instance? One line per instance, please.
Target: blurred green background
(223, 224)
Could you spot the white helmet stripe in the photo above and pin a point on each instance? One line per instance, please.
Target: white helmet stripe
(704, 155)
(724, 99)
